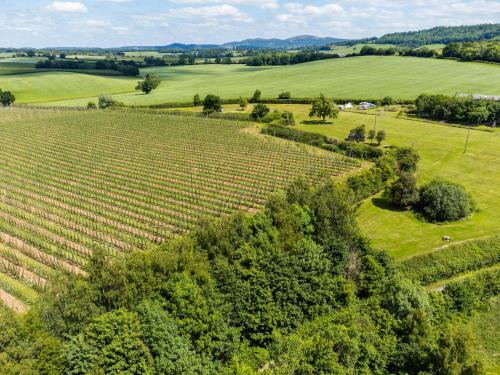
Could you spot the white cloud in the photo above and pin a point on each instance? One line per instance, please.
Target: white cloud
(67, 7)
(263, 4)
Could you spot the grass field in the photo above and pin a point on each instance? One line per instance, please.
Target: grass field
(442, 155)
(75, 182)
(359, 77)
(47, 86)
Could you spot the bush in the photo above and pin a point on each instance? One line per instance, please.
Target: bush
(91, 105)
(197, 100)
(359, 150)
(256, 96)
(387, 101)
(442, 201)
(403, 192)
(211, 104)
(407, 159)
(107, 102)
(259, 112)
(285, 95)
(279, 118)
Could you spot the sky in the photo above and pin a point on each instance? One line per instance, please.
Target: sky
(113, 23)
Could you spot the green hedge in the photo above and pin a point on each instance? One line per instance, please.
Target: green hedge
(452, 260)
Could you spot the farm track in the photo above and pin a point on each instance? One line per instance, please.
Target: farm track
(72, 183)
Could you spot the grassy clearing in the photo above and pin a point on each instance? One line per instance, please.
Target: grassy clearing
(48, 86)
(359, 77)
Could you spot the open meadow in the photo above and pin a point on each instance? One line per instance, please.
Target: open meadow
(74, 182)
(368, 77)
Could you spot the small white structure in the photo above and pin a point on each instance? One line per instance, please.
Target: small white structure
(345, 106)
(366, 105)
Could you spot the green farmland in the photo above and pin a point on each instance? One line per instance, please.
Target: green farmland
(73, 183)
(359, 77)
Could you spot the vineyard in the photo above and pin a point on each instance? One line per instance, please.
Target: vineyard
(76, 182)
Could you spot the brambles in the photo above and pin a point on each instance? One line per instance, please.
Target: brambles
(444, 201)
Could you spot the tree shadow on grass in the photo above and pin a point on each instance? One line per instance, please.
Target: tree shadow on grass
(383, 204)
(316, 122)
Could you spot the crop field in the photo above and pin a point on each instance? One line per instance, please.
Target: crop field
(358, 77)
(75, 182)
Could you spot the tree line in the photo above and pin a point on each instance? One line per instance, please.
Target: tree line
(485, 51)
(461, 109)
(126, 67)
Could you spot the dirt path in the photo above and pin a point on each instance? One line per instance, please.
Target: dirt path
(12, 302)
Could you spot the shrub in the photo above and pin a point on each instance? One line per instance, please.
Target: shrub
(259, 112)
(211, 104)
(256, 96)
(91, 105)
(442, 201)
(359, 150)
(279, 118)
(197, 100)
(407, 159)
(403, 192)
(285, 95)
(107, 102)
(387, 101)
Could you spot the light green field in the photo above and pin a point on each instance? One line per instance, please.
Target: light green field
(345, 50)
(49, 86)
(441, 148)
(359, 77)
(143, 54)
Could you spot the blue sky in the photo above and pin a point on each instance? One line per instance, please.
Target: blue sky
(107, 23)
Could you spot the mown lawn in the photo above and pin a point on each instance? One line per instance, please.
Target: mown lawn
(359, 77)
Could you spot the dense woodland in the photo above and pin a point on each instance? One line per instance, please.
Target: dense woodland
(293, 289)
(442, 34)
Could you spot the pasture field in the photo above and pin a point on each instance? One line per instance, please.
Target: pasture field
(441, 148)
(42, 86)
(72, 183)
(359, 77)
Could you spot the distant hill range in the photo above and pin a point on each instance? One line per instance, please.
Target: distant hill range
(300, 41)
(440, 34)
